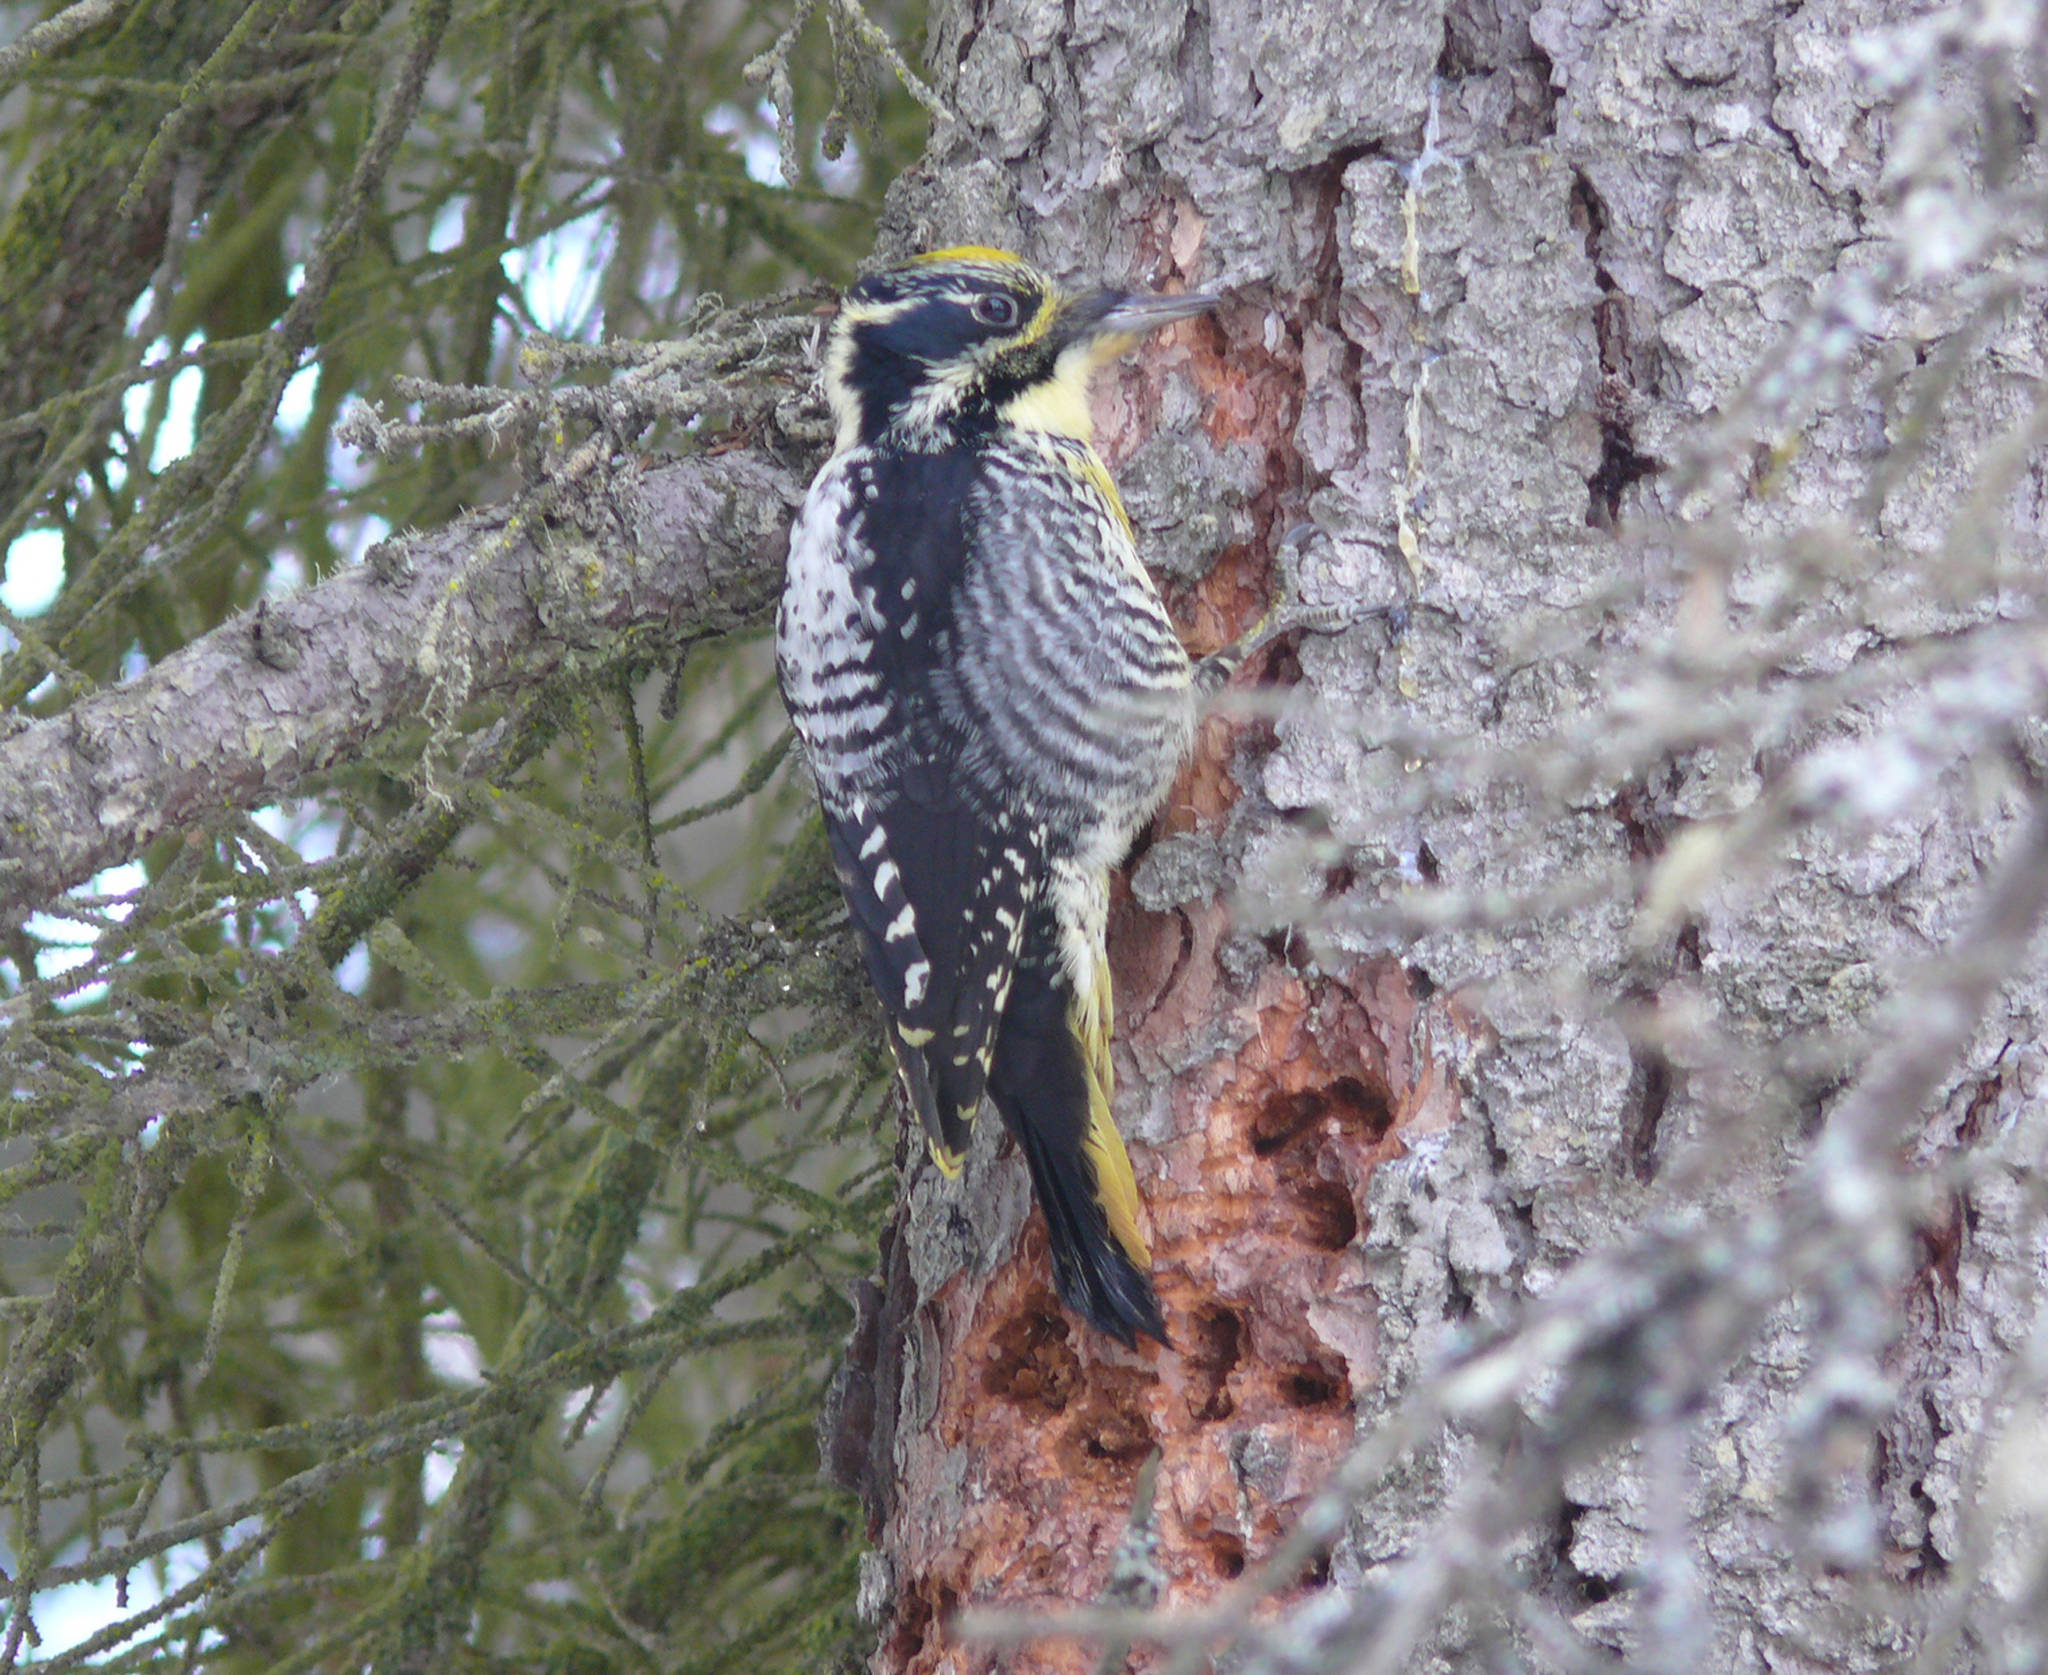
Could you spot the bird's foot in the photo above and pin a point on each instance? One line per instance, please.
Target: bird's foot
(1289, 613)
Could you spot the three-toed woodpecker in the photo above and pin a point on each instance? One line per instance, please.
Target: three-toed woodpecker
(993, 701)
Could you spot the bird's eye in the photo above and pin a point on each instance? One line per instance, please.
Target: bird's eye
(995, 308)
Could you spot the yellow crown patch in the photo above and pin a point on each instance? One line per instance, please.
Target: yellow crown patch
(970, 253)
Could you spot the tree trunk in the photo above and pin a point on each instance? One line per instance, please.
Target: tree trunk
(1521, 945)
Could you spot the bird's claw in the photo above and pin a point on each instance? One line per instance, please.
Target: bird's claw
(1290, 611)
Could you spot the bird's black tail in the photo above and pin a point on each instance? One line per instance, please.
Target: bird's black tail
(1051, 1086)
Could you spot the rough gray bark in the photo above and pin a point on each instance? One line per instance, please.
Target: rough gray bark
(1672, 383)
(485, 608)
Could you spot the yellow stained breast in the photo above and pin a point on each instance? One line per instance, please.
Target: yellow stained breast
(1058, 406)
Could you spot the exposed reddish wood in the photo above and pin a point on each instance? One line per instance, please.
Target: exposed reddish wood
(1020, 1482)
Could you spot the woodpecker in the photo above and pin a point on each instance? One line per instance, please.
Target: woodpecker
(993, 701)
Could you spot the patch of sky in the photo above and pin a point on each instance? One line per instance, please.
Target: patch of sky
(309, 830)
(35, 574)
(69, 1616)
(175, 430)
(286, 575)
(368, 533)
(307, 827)
(560, 275)
(498, 939)
(449, 1349)
(437, 1469)
(295, 405)
(181, 412)
(580, 1411)
(353, 973)
(450, 219)
(753, 136)
(35, 559)
(841, 175)
(66, 944)
(756, 136)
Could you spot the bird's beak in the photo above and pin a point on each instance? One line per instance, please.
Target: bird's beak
(1110, 322)
(1134, 313)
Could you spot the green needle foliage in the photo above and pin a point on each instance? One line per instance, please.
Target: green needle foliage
(426, 1208)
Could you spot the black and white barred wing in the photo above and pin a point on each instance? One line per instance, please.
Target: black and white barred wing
(937, 881)
(938, 897)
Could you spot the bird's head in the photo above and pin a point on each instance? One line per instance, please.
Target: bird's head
(962, 340)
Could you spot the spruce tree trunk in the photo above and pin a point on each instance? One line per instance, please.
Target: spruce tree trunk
(1524, 957)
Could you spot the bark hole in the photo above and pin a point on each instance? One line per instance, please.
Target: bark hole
(1329, 1221)
(1649, 1098)
(1215, 1346)
(919, 1611)
(1226, 1555)
(1359, 1110)
(1311, 1386)
(1109, 1435)
(1031, 1361)
(1622, 463)
(1570, 1586)
(1427, 864)
(1621, 468)
(1044, 1568)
